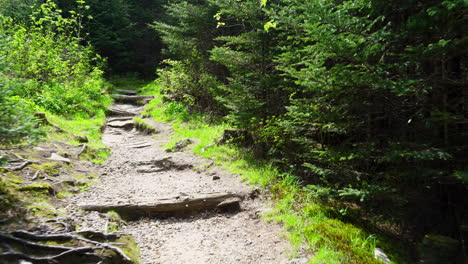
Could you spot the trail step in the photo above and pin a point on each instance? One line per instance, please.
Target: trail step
(127, 92)
(120, 118)
(113, 111)
(127, 124)
(178, 205)
(131, 98)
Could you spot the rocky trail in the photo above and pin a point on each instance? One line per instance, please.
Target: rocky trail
(180, 208)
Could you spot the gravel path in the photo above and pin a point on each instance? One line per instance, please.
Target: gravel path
(209, 237)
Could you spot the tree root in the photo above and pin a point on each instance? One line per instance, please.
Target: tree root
(21, 166)
(11, 256)
(30, 241)
(83, 148)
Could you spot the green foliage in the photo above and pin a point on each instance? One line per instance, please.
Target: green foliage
(16, 124)
(20, 10)
(45, 67)
(365, 100)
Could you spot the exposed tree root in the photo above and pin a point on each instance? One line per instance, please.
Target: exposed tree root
(83, 148)
(21, 166)
(81, 246)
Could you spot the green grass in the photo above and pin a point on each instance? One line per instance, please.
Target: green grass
(82, 127)
(309, 223)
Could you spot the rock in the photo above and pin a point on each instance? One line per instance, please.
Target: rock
(180, 145)
(216, 177)
(238, 136)
(82, 139)
(127, 124)
(298, 261)
(56, 157)
(380, 255)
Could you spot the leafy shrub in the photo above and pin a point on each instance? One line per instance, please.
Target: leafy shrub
(44, 66)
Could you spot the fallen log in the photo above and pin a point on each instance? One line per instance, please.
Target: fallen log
(177, 205)
(131, 98)
(127, 92)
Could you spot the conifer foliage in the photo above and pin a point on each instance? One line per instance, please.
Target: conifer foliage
(367, 100)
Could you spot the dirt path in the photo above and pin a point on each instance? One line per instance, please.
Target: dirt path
(207, 237)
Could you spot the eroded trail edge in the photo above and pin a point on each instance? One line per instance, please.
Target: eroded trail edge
(179, 207)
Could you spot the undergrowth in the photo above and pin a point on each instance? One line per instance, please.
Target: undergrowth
(310, 223)
(75, 129)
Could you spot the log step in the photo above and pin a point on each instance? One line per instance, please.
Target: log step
(127, 92)
(180, 205)
(119, 112)
(131, 98)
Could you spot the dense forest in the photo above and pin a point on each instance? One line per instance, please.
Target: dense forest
(365, 102)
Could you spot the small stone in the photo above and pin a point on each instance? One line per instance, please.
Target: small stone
(57, 157)
(380, 255)
(216, 177)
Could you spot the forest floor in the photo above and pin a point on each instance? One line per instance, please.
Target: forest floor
(129, 176)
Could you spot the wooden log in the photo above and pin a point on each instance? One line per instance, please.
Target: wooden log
(177, 205)
(127, 92)
(131, 98)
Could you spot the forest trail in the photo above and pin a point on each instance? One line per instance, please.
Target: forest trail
(140, 171)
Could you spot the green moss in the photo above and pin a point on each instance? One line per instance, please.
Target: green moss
(37, 187)
(50, 168)
(62, 195)
(41, 207)
(131, 248)
(115, 221)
